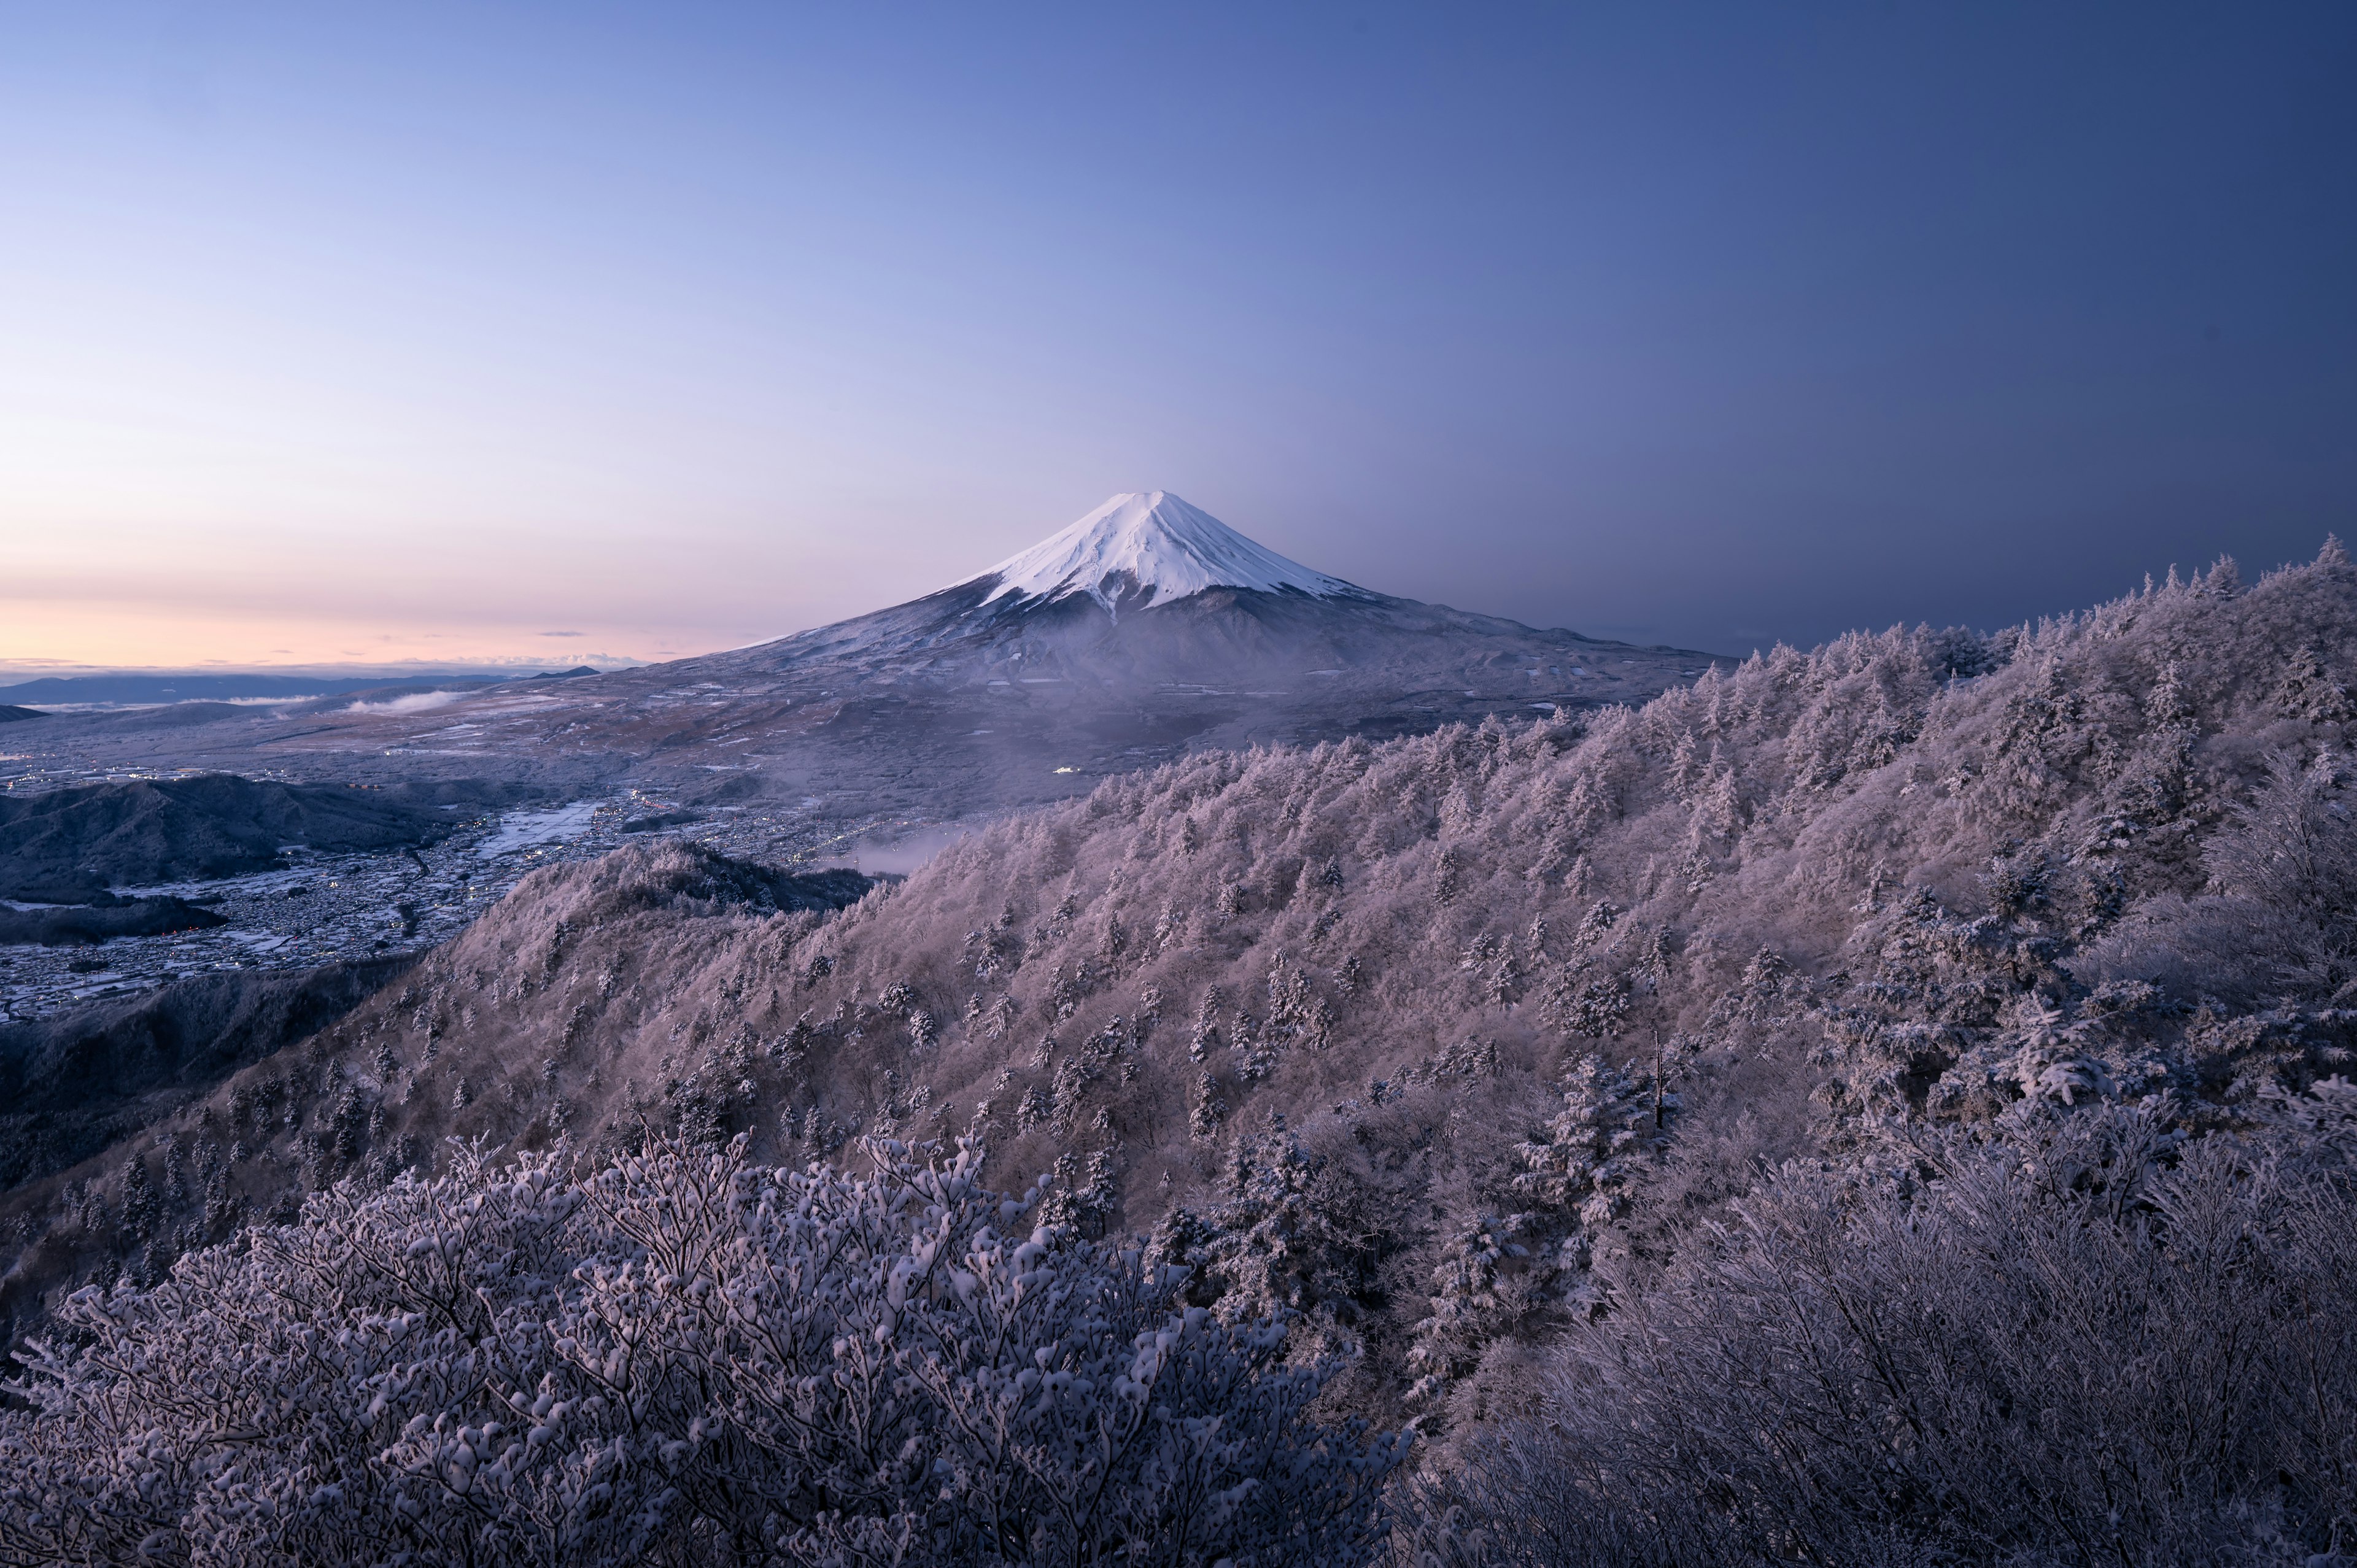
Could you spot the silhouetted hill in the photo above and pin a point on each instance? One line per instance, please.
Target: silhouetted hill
(181, 687)
(72, 1084)
(69, 845)
(104, 918)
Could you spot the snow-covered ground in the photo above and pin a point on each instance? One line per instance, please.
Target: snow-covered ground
(319, 909)
(521, 831)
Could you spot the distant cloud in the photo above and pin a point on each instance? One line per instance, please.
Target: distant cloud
(409, 702)
(561, 634)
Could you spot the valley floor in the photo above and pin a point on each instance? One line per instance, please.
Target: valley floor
(322, 910)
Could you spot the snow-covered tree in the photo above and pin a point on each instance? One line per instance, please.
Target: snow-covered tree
(678, 1358)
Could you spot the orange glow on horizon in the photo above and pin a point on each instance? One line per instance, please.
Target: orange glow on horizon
(36, 633)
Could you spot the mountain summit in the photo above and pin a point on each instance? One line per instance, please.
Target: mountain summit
(1148, 547)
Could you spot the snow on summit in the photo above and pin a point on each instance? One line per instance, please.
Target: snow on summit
(1148, 548)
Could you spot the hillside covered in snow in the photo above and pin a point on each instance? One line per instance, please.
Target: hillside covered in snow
(1905, 1085)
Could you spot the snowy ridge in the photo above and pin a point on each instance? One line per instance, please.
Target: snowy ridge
(1164, 547)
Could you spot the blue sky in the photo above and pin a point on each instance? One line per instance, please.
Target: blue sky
(424, 331)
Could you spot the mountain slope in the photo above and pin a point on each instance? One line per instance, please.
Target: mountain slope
(1426, 1039)
(1143, 631)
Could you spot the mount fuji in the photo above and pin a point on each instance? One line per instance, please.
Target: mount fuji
(1137, 550)
(1149, 598)
(1146, 628)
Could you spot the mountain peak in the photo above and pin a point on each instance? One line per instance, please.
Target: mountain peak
(1148, 547)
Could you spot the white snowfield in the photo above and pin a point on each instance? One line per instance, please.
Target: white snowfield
(1169, 548)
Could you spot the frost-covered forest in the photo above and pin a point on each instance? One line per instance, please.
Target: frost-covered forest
(1886, 1104)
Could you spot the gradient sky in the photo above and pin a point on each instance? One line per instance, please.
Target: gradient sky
(432, 331)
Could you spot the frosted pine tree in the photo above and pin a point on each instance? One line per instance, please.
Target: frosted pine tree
(2308, 691)
(1205, 1110)
(1296, 1013)
(1085, 1197)
(1206, 1037)
(1486, 1283)
(1286, 1236)
(1581, 1164)
(1496, 1270)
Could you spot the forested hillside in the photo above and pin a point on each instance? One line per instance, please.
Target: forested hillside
(1470, 1051)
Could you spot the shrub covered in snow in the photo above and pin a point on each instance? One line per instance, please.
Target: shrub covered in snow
(2090, 1342)
(679, 1358)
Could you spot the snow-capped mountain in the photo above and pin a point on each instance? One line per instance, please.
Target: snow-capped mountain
(1146, 629)
(1146, 548)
